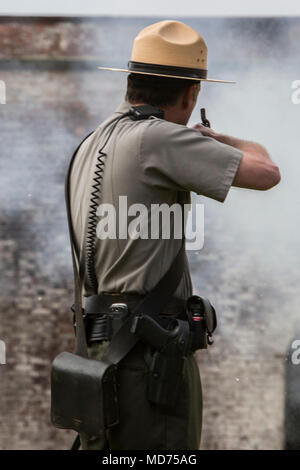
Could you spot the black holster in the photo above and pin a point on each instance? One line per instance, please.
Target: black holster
(169, 341)
(167, 348)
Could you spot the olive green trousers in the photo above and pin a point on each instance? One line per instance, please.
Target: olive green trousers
(144, 425)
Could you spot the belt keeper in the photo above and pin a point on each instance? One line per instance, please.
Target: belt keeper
(99, 328)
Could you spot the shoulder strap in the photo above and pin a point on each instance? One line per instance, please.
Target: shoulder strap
(153, 303)
(81, 345)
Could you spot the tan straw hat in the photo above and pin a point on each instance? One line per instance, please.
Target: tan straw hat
(169, 49)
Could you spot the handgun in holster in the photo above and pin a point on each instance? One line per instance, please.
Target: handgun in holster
(170, 346)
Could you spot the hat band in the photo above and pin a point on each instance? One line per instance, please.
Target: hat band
(166, 70)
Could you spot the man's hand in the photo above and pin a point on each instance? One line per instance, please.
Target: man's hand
(207, 131)
(256, 170)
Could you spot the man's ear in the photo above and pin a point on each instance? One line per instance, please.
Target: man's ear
(190, 94)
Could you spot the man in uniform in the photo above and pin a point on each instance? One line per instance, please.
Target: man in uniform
(156, 161)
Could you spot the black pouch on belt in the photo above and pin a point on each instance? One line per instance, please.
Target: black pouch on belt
(83, 394)
(79, 384)
(203, 321)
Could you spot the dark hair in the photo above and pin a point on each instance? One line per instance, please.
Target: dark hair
(156, 91)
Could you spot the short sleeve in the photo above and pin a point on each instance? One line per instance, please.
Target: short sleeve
(176, 157)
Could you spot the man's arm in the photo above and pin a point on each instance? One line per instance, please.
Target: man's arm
(256, 170)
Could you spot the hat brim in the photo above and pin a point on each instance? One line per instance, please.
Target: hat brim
(168, 76)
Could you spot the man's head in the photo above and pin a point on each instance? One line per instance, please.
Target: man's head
(177, 97)
(168, 62)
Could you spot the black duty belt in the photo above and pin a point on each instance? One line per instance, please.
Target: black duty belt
(101, 324)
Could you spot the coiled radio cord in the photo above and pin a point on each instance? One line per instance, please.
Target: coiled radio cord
(94, 202)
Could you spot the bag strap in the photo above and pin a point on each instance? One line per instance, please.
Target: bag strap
(153, 303)
(81, 344)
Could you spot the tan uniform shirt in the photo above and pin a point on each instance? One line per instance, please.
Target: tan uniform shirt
(149, 161)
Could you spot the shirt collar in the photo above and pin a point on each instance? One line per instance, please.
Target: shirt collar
(124, 107)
